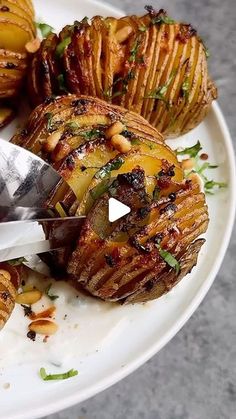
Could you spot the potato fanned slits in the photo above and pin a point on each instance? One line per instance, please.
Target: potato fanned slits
(145, 253)
(10, 280)
(150, 65)
(17, 28)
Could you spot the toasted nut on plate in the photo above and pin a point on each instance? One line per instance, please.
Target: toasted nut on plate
(29, 297)
(114, 129)
(187, 164)
(33, 46)
(51, 142)
(121, 143)
(5, 274)
(123, 33)
(43, 327)
(43, 314)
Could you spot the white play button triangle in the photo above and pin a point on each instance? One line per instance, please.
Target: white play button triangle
(116, 209)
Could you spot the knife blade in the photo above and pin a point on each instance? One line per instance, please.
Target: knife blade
(62, 232)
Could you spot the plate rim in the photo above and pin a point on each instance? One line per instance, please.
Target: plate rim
(103, 384)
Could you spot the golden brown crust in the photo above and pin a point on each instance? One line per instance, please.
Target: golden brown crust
(16, 28)
(10, 280)
(158, 70)
(118, 261)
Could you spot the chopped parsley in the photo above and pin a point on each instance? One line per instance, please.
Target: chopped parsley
(51, 296)
(142, 28)
(61, 82)
(210, 186)
(100, 189)
(62, 46)
(169, 258)
(73, 126)
(134, 50)
(91, 134)
(61, 376)
(192, 151)
(44, 29)
(161, 91)
(16, 262)
(49, 117)
(124, 83)
(162, 18)
(107, 169)
(185, 89)
(135, 141)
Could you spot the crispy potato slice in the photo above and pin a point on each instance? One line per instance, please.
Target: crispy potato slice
(148, 249)
(148, 64)
(9, 285)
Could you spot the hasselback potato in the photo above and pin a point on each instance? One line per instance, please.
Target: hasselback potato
(10, 280)
(150, 64)
(16, 30)
(105, 151)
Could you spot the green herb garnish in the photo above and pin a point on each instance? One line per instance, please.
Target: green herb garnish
(209, 185)
(62, 46)
(49, 117)
(161, 91)
(169, 258)
(134, 50)
(61, 82)
(158, 20)
(193, 152)
(100, 189)
(124, 82)
(51, 296)
(16, 262)
(135, 141)
(185, 89)
(142, 28)
(190, 151)
(91, 134)
(107, 169)
(62, 376)
(73, 126)
(207, 52)
(44, 29)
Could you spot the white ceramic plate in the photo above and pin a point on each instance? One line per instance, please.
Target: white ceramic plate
(111, 341)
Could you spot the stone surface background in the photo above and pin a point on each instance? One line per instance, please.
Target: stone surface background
(194, 376)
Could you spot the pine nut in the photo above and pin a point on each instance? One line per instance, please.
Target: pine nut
(43, 314)
(29, 297)
(51, 142)
(33, 46)
(5, 274)
(123, 33)
(43, 327)
(187, 164)
(121, 143)
(114, 129)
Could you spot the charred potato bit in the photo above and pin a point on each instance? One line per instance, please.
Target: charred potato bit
(10, 280)
(150, 65)
(17, 30)
(144, 254)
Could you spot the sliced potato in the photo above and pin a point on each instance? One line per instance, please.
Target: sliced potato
(16, 28)
(144, 254)
(10, 280)
(150, 65)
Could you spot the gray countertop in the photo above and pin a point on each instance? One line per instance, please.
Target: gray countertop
(194, 376)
